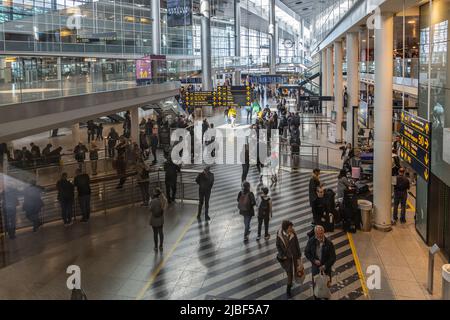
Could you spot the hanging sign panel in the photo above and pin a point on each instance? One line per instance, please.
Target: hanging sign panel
(179, 13)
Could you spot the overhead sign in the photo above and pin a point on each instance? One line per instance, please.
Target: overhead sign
(416, 143)
(268, 79)
(223, 96)
(316, 98)
(179, 13)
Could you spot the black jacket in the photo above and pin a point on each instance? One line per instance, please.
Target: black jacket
(401, 188)
(205, 181)
(171, 170)
(32, 200)
(328, 255)
(251, 210)
(82, 182)
(65, 190)
(288, 251)
(313, 185)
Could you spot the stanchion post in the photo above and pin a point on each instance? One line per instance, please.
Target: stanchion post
(431, 253)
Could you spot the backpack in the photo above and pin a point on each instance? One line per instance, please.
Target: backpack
(263, 209)
(244, 202)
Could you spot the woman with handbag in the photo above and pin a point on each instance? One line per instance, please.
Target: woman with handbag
(158, 206)
(289, 254)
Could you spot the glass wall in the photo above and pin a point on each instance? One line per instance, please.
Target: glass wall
(434, 66)
(120, 27)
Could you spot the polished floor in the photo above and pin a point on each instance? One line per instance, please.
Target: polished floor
(200, 260)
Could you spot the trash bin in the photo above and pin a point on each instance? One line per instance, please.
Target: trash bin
(366, 214)
(446, 282)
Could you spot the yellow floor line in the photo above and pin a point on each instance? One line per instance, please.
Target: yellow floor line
(358, 265)
(163, 262)
(411, 206)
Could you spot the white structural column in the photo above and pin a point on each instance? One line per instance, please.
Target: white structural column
(352, 85)
(237, 38)
(324, 76)
(273, 40)
(205, 10)
(134, 113)
(383, 122)
(338, 89)
(156, 27)
(76, 138)
(330, 78)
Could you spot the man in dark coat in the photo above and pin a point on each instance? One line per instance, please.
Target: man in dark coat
(154, 141)
(320, 251)
(83, 184)
(205, 181)
(171, 170)
(32, 204)
(314, 183)
(65, 197)
(9, 206)
(289, 253)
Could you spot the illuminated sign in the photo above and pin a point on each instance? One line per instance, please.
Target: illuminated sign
(416, 143)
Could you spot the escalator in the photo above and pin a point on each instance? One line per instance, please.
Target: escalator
(307, 83)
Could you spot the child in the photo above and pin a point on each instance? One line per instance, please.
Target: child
(264, 213)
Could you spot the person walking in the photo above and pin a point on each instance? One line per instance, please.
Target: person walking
(401, 188)
(264, 205)
(143, 180)
(232, 115)
(65, 197)
(157, 206)
(321, 253)
(112, 138)
(245, 159)
(121, 161)
(83, 184)
(171, 170)
(154, 141)
(93, 157)
(10, 202)
(32, 204)
(246, 203)
(318, 207)
(314, 183)
(80, 154)
(289, 253)
(99, 132)
(205, 181)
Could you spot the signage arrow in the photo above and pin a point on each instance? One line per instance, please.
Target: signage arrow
(426, 174)
(427, 128)
(427, 160)
(427, 143)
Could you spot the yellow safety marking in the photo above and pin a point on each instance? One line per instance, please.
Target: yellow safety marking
(411, 205)
(163, 262)
(358, 265)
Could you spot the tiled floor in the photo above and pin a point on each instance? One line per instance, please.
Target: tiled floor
(403, 260)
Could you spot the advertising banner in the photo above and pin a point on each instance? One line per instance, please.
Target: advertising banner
(143, 69)
(179, 13)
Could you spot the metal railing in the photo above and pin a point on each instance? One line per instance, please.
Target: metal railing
(105, 196)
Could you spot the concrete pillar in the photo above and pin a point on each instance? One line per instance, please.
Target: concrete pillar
(324, 76)
(156, 27)
(383, 122)
(338, 89)
(352, 85)
(76, 136)
(134, 113)
(330, 79)
(273, 33)
(59, 68)
(205, 10)
(237, 38)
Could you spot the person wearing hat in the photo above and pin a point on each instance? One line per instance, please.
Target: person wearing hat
(157, 205)
(93, 157)
(205, 181)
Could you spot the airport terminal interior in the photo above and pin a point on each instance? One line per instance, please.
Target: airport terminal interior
(224, 150)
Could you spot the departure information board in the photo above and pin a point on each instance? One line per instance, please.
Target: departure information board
(416, 143)
(235, 96)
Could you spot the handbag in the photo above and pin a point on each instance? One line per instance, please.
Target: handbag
(322, 286)
(300, 272)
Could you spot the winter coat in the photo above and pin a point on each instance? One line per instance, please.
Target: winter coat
(251, 209)
(157, 208)
(328, 255)
(288, 251)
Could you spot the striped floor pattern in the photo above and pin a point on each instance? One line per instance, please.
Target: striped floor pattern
(213, 262)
